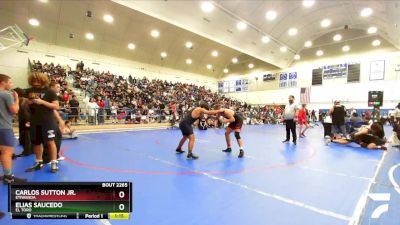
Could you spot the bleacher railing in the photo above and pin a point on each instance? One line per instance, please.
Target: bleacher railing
(98, 116)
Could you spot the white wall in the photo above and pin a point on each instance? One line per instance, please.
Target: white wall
(351, 94)
(15, 64)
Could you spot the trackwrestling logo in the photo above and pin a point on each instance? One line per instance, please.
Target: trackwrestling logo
(50, 134)
(384, 197)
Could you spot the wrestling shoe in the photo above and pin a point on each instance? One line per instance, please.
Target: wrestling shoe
(227, 150)
(179, 151)
(327, 140)
(191, 156)
(36, 166)
(54, 167)
(241, 154)
(10, 179)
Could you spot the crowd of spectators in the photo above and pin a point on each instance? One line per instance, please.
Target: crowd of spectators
(141, 100)
(113, 98)
(69, 103)
(116, 99)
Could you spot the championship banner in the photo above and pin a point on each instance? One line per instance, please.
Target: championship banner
(238, 87)
(283, 79)
(220, 87)
(226, 86)
(292, 79)
(245, 85)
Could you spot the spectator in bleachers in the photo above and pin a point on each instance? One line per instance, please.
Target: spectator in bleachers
(107, 103)
(114, 114)
(65, 97)
(79, 66)
(92, 109)
(101, 111)
(74, 107)
(135, 93)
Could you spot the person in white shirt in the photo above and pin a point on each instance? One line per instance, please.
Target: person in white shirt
(92, 109)
(114, 113)
(290, 115)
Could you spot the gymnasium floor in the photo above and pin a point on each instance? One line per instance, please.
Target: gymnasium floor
(276, 183)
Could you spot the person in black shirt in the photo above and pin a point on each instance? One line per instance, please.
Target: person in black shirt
(74, 105)
(60, 123)
(24, 124)
(80, 66)
(130, 79)
(42, 103)
(338, 113)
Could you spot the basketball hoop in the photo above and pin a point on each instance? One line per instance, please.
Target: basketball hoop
(12, 36)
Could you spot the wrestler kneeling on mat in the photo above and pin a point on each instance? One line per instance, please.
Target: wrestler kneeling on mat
(371, 138)
(235, 120)
(187, 130)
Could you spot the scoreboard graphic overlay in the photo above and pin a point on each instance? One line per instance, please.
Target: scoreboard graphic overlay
(70, 200)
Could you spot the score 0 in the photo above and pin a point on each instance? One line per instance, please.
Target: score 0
(121, 196)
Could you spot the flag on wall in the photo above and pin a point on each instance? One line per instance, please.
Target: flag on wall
(305, 95)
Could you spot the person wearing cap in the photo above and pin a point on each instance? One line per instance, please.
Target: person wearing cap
(187, 129)
(338, 113)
